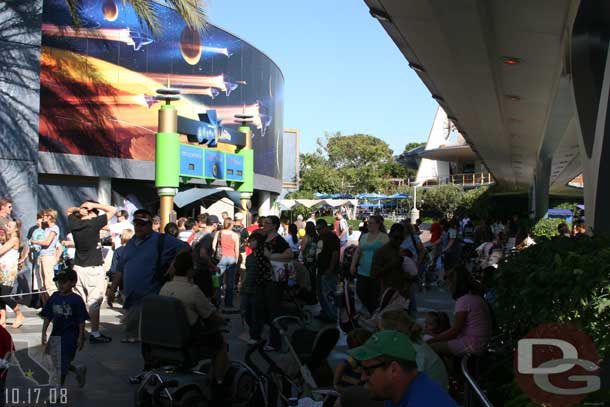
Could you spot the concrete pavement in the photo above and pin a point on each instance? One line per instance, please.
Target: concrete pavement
(109, 366)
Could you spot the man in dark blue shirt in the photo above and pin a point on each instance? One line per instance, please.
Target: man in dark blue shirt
(388, 363)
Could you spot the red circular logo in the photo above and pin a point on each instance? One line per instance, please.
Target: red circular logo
(557, 365)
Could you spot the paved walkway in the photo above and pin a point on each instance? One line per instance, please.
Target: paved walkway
(110, 365)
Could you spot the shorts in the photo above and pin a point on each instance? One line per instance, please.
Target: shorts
(46, 266)
(91, 285)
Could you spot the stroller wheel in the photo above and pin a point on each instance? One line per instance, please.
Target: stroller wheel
(192, 398)
(307, 316)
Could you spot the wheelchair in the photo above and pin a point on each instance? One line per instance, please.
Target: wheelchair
(180, 371)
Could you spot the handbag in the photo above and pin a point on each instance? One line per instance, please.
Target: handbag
(217, 250)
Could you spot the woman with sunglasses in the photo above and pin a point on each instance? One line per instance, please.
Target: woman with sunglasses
(366, 287)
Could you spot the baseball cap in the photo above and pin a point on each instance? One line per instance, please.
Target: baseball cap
(212, 220)
(386, 343)
(239, 216)
(65, 274)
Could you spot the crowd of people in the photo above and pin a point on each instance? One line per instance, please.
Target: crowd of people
(211, 263)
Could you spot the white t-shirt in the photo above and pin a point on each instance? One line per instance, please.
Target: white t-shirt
(293, 246)
(355, 236)
(184, 235)
(430, 363)
(116, 229)
(344, 226)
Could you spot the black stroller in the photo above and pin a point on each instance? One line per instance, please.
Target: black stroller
(302, 372)
(345, 299)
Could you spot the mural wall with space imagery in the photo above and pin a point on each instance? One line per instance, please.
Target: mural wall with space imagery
(98, 82)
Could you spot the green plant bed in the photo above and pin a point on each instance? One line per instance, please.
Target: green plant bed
(547, 228)
(565, 280)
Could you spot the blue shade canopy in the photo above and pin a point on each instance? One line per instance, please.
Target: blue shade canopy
(207, 195)
(399, 196)
(372, 196)
(559, 212)
(333, 196)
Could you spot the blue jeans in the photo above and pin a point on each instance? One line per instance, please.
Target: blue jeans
(328, 286)
(227, 266)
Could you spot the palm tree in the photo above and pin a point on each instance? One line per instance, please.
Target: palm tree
(189, 10)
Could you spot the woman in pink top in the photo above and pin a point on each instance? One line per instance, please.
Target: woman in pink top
(472, 324)
(228, 242)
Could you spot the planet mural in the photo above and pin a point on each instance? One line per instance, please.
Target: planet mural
(110, 10)
(190, 45)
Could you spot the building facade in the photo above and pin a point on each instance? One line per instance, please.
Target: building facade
(448, 159)
(79, 113)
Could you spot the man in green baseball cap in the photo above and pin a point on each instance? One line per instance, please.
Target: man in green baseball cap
(389, 368)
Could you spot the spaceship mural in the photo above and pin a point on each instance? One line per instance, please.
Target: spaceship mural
(98, 82)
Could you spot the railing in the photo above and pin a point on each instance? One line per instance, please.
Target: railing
(470, 384)
(466, 179)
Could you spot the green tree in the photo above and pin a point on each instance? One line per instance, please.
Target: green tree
(360, 160)
(317, 175)
(476, 202)
(412, 146)
(189, 10)
(444, 200)
(357, 150)
(393, 169)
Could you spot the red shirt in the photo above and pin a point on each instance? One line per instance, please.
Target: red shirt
(435, 232)
(251, 229)
(337, 228)
(6, 346)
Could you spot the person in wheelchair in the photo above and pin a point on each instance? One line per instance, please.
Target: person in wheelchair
(206, 322)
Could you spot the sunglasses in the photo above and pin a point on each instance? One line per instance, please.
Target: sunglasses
(368, 370)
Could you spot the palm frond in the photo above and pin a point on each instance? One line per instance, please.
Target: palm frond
(190, 10)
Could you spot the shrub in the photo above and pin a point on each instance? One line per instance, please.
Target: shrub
(558, 280)
(564, 280)
(546, 228)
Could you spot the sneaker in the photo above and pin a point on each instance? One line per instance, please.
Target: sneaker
(81, 375)
(99, 339)
(269, 348)
(252, 341)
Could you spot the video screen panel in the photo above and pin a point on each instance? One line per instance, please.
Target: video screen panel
(99, 82)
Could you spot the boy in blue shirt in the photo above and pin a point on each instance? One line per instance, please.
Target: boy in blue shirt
(67, 311)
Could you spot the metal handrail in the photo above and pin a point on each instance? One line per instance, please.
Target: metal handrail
(473, 384)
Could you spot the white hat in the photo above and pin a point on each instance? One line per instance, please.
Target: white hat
(239, 216)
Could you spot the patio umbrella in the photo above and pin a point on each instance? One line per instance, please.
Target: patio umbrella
(207, 195)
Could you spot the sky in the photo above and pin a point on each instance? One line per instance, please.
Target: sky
(342, 71)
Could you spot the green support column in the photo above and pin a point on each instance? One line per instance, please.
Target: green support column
(247, 187)
(167, 154)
